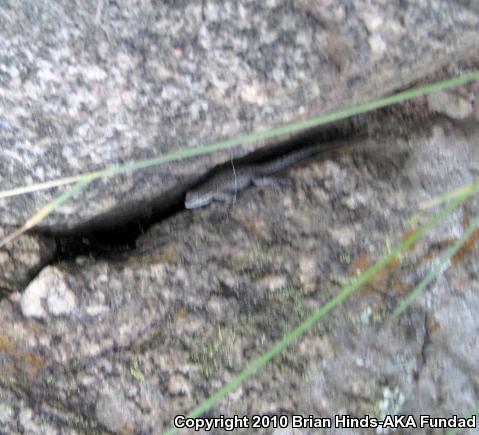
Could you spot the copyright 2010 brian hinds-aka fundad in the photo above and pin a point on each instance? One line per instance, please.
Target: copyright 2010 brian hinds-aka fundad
(312, 422)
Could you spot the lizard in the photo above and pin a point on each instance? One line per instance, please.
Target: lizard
(228, 181)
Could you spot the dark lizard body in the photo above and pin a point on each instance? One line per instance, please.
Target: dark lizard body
(224, 184)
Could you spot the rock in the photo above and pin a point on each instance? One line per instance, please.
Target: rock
(22, 259)
(178, 385)
(94, 86)
(111, 411)
(6, 413)
(47, 294)
(25, 420)
(450, 104)
(93, 345)
(129, 344)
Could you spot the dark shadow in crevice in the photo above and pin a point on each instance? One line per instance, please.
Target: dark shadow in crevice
(116, 232)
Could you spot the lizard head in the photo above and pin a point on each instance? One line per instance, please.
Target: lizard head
(196, 199)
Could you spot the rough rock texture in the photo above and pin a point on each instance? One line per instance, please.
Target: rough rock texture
(22, 259)
(84, 85)
(137, 341)
(124, 344)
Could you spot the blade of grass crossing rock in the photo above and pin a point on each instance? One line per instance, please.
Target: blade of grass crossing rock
(194, 151)
(439, 199)
(289, 128)
(317, 314)
(45, 211)
(439, 267)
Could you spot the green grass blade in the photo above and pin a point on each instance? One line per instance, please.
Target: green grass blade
(289, 128)
(439, 199)
(438, 267)
(45, 211)
(41, 186)
(316, 315)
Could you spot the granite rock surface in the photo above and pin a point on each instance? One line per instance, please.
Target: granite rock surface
(124, 346)
(88, 85)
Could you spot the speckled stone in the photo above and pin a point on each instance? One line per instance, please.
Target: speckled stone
(451, 104)
(47, 294)
(100, 83)
(150, 337)
(22, 259)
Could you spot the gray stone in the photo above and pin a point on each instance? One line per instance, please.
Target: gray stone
(178, 385)
(111, 411)
(101, 83)
(124, 345)
(151, 336)
(22, 259)
(47, 294)
(6, 413)
(451, 104)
